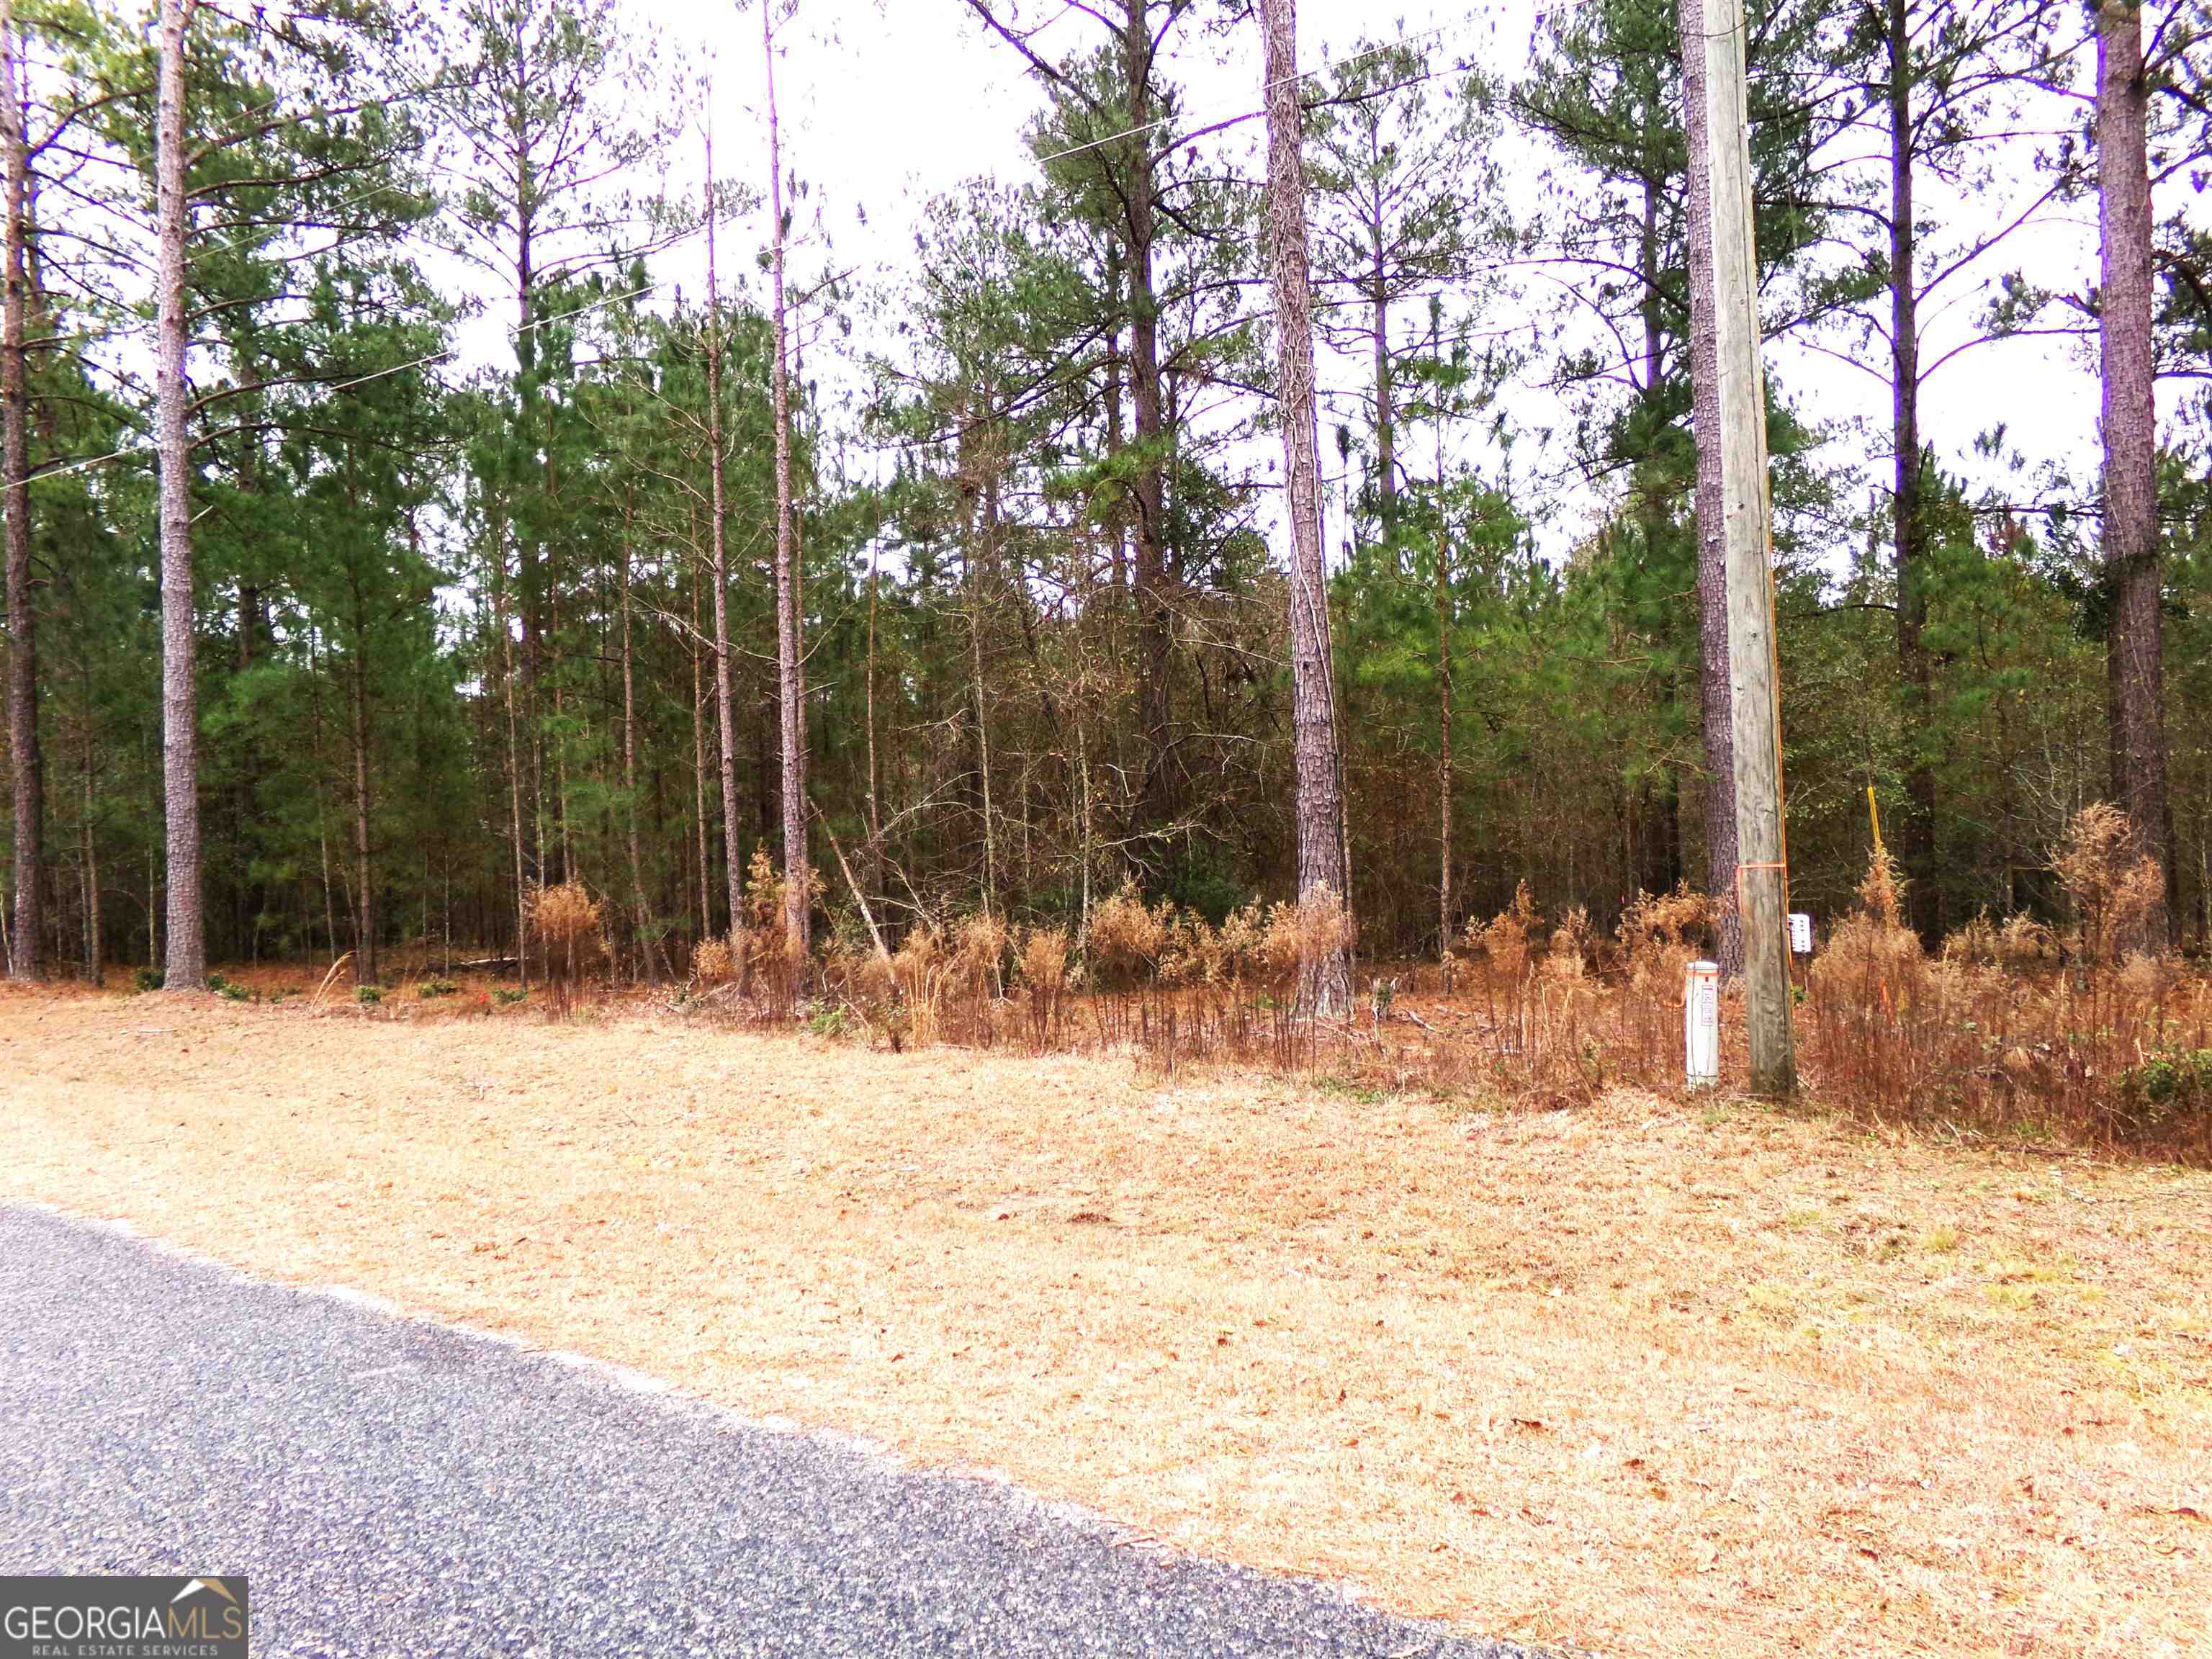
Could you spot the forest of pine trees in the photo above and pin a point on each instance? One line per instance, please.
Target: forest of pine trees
(978, 583)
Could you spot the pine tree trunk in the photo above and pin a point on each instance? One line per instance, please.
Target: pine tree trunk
(733, 862)
(1155, 623)
(514, 783)
(648, 946)
(699, 760)
(1445, 619)
(1649, 818)
(364, 957)
(1917, 835)
(1117, 522)
(791, 669)
(2134, 647)
(89, 842)
(1386, 413)
(982, 733)
(872, 866)
(528, 572)
(187, 969)
(1715, 698)
(566, 869)
(25, 944)
(1083, 781)
(1325, 983)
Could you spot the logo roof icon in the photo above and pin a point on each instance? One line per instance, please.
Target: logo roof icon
(214, 1584)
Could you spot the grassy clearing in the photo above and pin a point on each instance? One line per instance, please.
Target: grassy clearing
(1642, 1376)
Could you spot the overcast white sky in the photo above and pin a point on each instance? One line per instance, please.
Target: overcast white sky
(887, 103)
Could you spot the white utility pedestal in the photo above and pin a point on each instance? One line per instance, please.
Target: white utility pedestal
(1701, 1025)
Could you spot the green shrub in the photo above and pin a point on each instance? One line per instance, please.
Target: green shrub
(2170, 1083)
(225, 989)
(436, 987)
(506, 998)
(1205, 882)
(829, 1022)
(368, 994)
(150, 979)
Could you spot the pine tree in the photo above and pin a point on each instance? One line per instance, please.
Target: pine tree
(185, 969)
(790, 659)
(2133, 644)
(1929, 81)
(1402, 179)
(1325, 979)
(27, 944)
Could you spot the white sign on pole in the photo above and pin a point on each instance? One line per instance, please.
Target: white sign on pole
(1801, 933)
(1701, 1025)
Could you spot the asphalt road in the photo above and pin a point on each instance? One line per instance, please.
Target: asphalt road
(391, 1487)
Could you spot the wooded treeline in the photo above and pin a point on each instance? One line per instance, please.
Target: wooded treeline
(988, 540)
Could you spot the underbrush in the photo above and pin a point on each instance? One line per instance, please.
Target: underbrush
(2012, 1030)
(2089, 1036)
(2084, 1035)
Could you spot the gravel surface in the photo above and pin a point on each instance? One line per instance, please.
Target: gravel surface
(395, 1487)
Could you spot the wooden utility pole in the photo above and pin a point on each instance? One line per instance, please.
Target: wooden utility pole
(1739, 433)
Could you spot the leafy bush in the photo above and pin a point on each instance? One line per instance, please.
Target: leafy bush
(508, 998)
(1203, 883)
(150, 979)
(831, 1023)
(2168, 1083)
(226, 990)
(368, 994)
(437, 988)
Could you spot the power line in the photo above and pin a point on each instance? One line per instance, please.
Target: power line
(446, 354)
(438, 356)
(1291, 80)
(1541, 15)
(145, 325)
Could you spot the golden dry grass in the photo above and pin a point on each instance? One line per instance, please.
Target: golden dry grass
(1645, 1377)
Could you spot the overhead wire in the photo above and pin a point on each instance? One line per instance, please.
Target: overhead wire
(1539, 16)
(438, 356)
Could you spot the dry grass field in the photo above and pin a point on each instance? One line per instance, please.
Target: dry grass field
(1646, 1377)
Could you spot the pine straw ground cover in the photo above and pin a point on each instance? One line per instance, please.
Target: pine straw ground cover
(1647, 1378)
